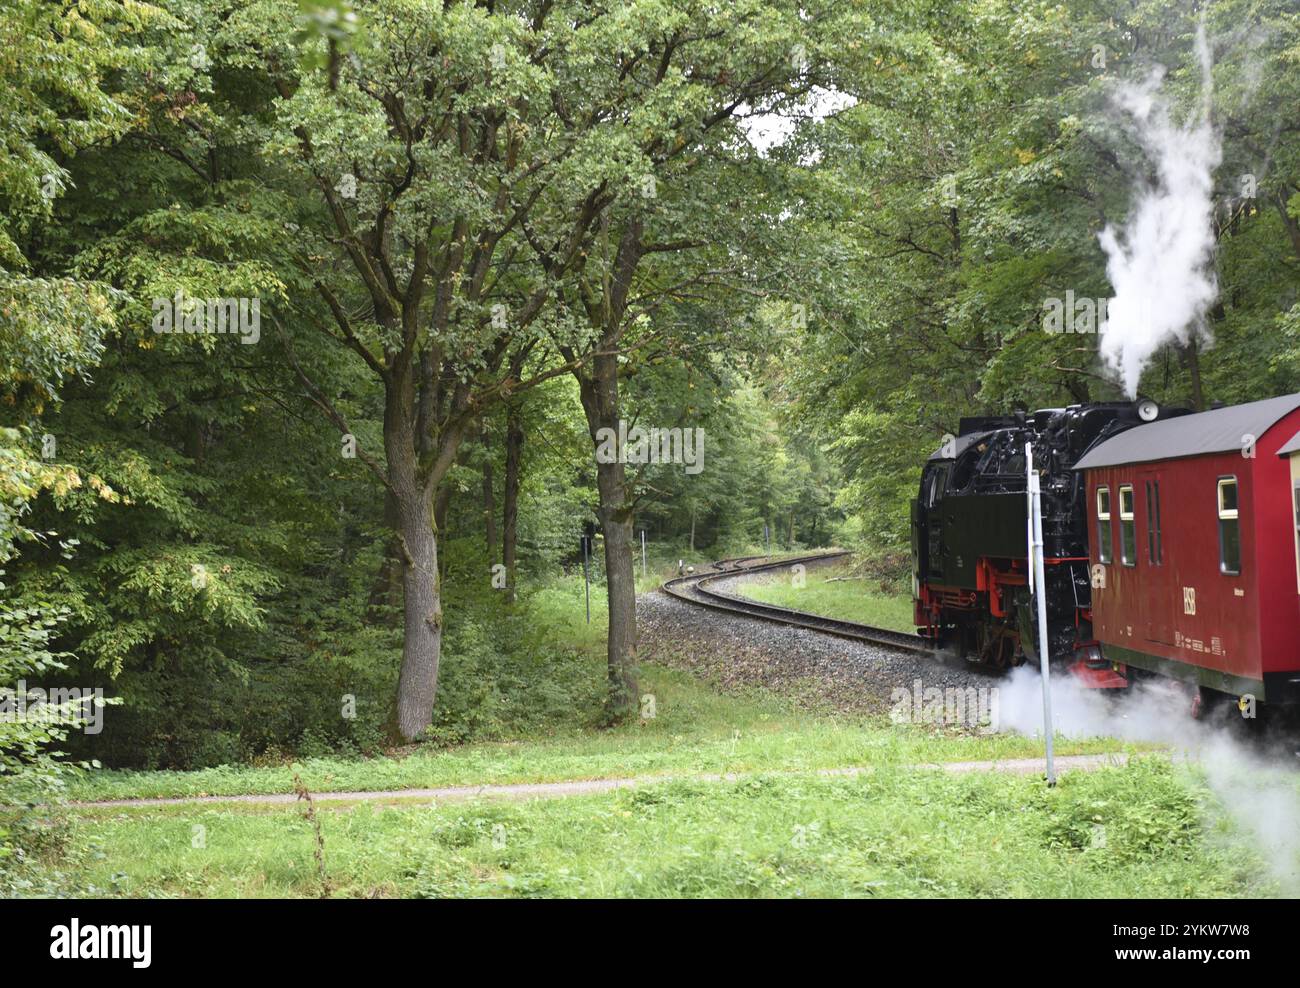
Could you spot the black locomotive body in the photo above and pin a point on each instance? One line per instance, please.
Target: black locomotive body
(969, 532)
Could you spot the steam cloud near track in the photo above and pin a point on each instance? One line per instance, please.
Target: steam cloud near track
(1263, 797)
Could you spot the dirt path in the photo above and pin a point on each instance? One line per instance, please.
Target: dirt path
(582, 787)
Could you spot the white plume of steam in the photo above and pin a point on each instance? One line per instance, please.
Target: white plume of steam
(1161, 264)
(1262, 795)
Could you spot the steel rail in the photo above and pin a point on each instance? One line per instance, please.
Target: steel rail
(695, 589)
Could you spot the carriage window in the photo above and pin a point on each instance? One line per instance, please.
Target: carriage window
(1229, 527)
(1103, 524)
(1296, 494)
(1127, 527)
(1155, 548)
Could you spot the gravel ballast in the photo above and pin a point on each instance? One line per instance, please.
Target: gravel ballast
(736, 651)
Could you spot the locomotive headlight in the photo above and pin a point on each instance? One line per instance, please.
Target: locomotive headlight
(1148, 410)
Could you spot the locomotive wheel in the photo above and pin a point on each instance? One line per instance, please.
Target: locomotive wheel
(1207, 705)
(1218, 710)
(994, 647)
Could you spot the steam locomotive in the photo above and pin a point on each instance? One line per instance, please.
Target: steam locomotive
(1171, 544)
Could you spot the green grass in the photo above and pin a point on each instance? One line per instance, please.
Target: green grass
(848, 599)
(1145, 829)
(1130, 831)
(697, 729)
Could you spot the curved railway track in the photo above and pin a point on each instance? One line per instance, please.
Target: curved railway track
(697, 589)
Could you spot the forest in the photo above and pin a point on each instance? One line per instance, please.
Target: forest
(316, 317)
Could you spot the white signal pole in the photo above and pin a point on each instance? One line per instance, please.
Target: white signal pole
(1038, 582)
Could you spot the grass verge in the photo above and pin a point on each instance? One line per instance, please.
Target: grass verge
(696, 729)
(832, 592)
(1130, 831)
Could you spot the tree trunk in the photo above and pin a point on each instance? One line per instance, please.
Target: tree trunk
(1192, 353)
(417, 684)
(692, 528)
(1078, 388)
(598, 387)
(600, 403)
(489, 504)
(441, 512)
(414, 498)
(510, 498)
(1289, 222)
(620, 581)
(385, 590)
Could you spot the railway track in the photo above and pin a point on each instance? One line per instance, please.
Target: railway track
(697, 589)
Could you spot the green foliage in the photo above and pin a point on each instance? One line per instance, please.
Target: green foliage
(969, 184)
(825, 310)
(1146, 813)
(507, 672)
(53, 63)
(32, 768)
(50, 330)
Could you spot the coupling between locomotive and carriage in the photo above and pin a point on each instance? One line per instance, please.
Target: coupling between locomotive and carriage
(1171, 543)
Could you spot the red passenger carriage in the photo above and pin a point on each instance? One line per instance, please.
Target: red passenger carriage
(1194, 526)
